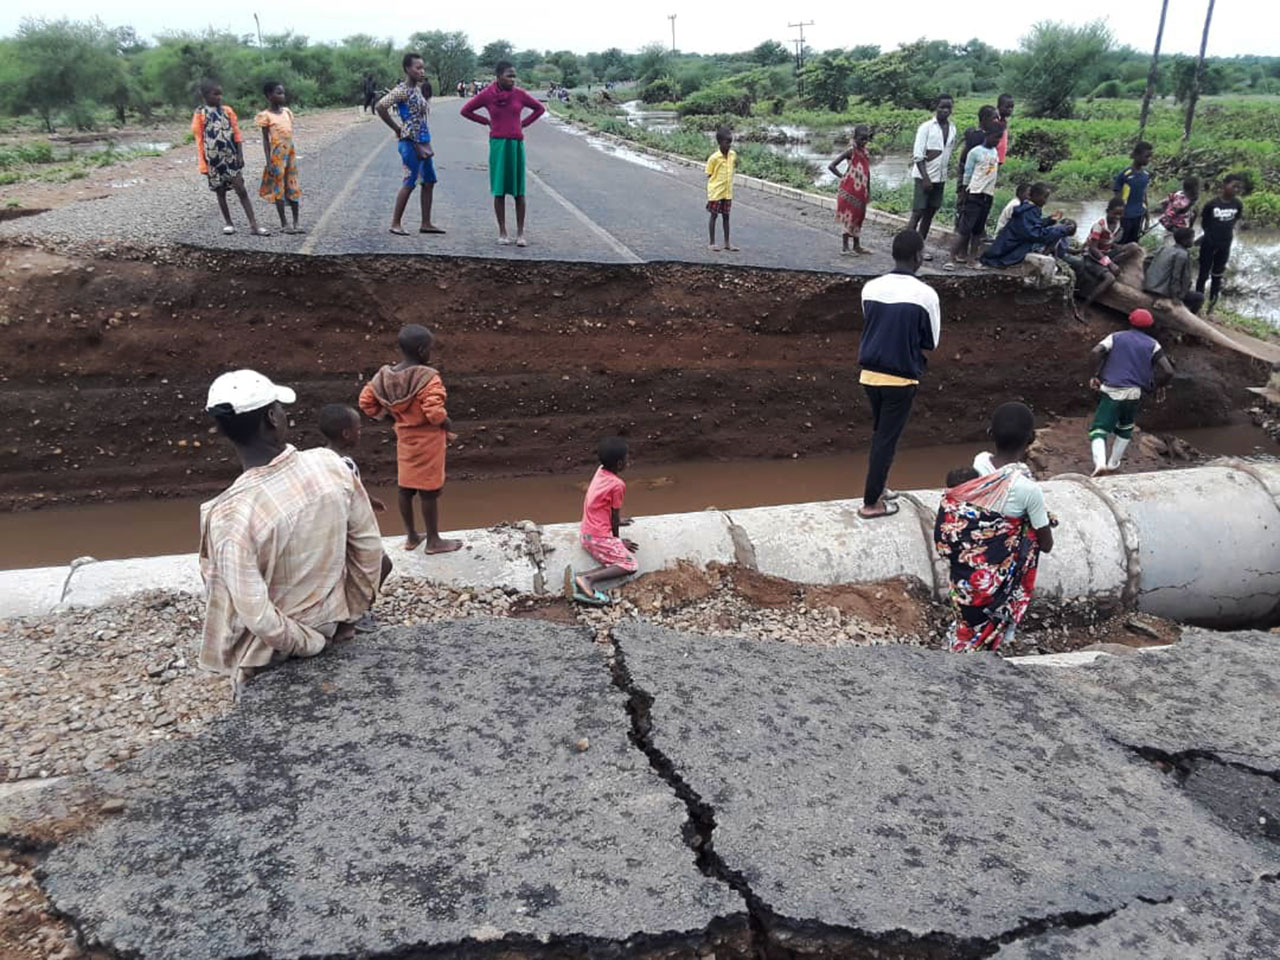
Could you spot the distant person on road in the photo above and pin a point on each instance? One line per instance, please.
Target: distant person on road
(1168, 276)
(1219, 220)
(1128, 363)
(369, 91)
(992, 530)
(1004, 112)
(719, 170)
(462, 89)
(931, 155)
(982, 169)
(220, 150)
(1020, 194)
(504, 104)
(901, 320)
(1130, 185)
(290, 552)
(412, 394)
(1028, 230)
(1180, 206)
(411, 98)
(855, 189)
(973, 137)
(601, 520)
(280, 171)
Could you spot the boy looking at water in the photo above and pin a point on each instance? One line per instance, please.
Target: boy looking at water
(1128, 363)
(1218, 220)
(1130, 185)
(411, 393)
(220, 149)
(982, 168)
(340, 426)
(720, 186)
(601, 521)
(1028, 230)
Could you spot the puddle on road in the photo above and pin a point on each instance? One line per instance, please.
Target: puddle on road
(57, 535)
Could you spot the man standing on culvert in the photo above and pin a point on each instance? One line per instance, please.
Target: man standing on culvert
(901, 318)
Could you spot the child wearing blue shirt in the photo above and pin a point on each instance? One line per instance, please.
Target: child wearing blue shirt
(981, 169)
(1130, 185)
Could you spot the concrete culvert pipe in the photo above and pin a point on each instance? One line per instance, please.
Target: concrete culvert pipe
(1200, 546)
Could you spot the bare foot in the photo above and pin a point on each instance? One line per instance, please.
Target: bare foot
(583, 587)
(411, 541)
(442, 546)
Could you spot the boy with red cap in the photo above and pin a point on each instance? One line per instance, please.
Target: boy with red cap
(1128, 362)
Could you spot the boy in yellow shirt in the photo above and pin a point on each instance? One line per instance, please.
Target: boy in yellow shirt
(720, 186)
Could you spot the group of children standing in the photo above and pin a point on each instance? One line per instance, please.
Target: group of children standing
(220, 149)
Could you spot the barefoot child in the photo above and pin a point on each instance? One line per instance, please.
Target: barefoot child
(219, 146)
(280, 173)
(340, 426)
(601, 519)
(720, 186)
(1130, 185)
(855, 188)
(410, 392)
(981, 169)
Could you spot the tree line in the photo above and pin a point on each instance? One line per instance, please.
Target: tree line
(67, 71)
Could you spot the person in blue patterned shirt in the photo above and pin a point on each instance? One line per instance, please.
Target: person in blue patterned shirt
(411, 98)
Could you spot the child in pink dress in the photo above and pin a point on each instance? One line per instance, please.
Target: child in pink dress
(601, 519)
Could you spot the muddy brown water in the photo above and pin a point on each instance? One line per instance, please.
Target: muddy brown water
(57, 535)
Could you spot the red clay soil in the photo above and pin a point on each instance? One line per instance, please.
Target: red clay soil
(105, 364)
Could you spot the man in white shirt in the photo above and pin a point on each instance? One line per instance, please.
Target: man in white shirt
(935, 139)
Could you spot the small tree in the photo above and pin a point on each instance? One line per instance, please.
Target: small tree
(825, 82)
(770, 54)
(494, 51)
(1055, 65)
(448, 56)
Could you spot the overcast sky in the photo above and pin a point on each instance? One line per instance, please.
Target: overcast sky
(705, 26)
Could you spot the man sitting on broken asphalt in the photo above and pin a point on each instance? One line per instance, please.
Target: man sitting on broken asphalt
(290, 553)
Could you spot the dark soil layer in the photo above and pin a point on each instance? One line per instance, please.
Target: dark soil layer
(105, 363)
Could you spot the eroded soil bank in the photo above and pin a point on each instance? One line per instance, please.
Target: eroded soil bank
(105, 363)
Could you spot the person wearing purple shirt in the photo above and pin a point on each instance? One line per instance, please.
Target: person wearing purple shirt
(504, 103)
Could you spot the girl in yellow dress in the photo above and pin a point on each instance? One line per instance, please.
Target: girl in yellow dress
(280, 175)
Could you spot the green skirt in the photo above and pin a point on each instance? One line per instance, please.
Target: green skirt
(506, 167)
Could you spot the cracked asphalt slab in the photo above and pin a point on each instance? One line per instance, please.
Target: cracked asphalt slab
(1210, 693)
(427, 790)
(1227, 923)
(884, 795)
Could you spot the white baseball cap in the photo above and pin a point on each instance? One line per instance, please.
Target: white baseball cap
(246, 390)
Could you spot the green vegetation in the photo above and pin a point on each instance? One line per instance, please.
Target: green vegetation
(38, 160)
(1254, 326)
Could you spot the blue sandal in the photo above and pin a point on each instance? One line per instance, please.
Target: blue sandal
(573, 592)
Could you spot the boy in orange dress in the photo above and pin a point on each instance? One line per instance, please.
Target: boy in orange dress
(411, 393)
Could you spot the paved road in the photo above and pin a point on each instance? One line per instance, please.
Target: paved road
(423, 791)
(588, 201)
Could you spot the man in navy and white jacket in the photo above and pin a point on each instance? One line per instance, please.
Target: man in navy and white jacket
(901, 319)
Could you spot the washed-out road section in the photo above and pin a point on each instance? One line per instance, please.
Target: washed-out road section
(514, 789)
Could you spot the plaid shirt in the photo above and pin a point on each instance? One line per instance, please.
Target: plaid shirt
(287, 552)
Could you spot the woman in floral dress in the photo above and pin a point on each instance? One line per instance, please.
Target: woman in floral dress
(280, 175)
(855, 188)
(220, 152)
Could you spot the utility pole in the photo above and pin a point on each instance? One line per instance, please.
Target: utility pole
(800, 42)
(672, 18)
(1195, 85)
(261, 53)
(1153, 74)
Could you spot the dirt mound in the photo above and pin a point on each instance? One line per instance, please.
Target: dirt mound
(105, 363)
(1063, 447)
(900, 604)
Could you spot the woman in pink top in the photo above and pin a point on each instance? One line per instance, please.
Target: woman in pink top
(601, 518)
(505, 103)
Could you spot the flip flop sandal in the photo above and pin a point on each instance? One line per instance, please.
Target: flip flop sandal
(522, 242)
(597, 599)
(262, 232)
(890, 508)
(432, 230)
(399, 232)
(504, 241)
(228, 230)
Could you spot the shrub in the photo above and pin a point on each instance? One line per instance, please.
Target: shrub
(1046, 147)
(1107, 90)
(663, 88)
(718, 98)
